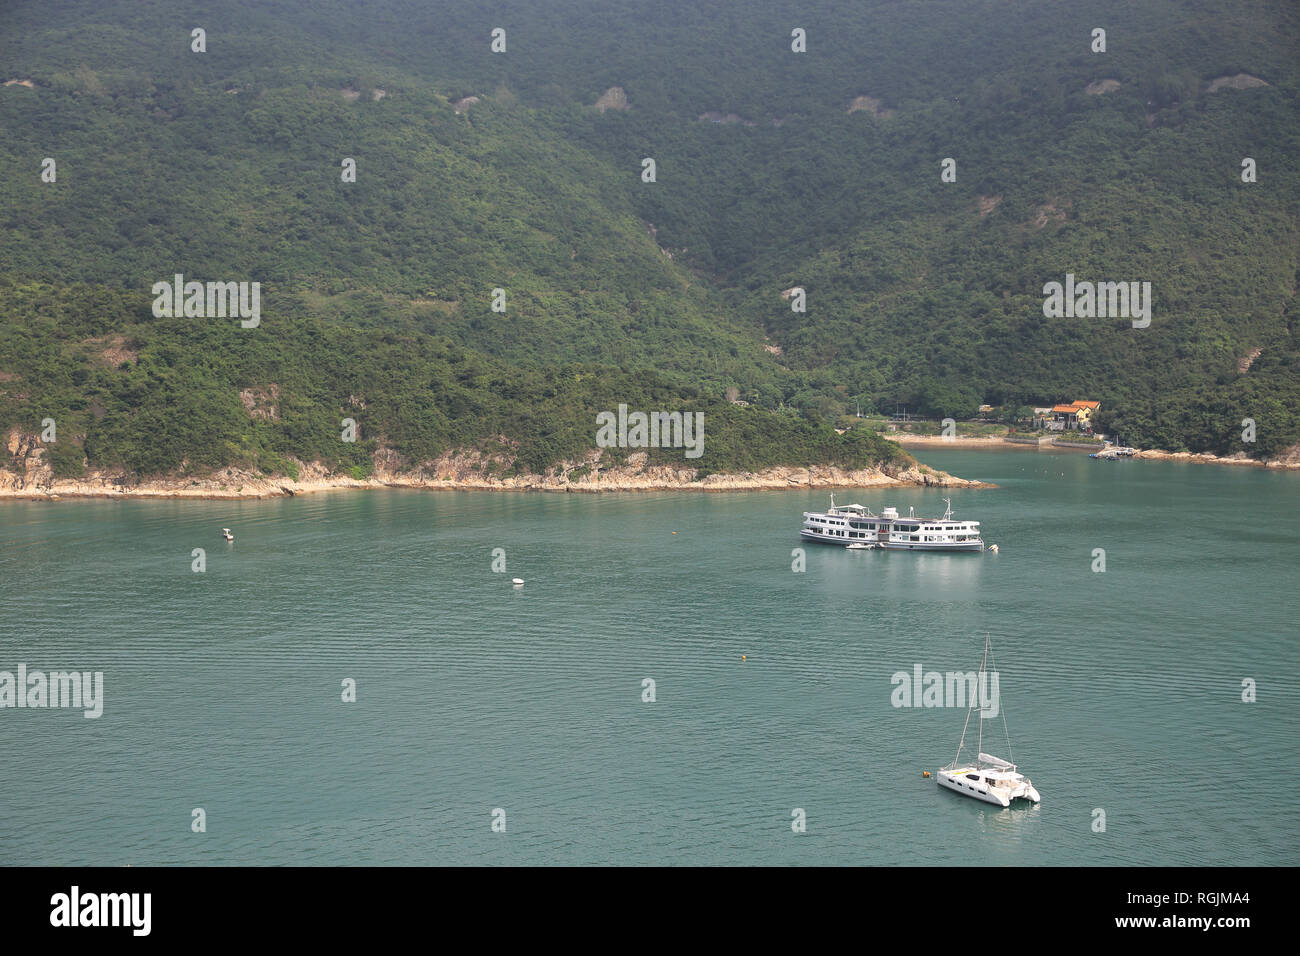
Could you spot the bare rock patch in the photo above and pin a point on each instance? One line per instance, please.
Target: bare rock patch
(870, 104)
(261, 402)
(1098, 87)
(614, 98)
(1242, 81)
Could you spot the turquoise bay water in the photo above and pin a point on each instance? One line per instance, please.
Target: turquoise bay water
(1122, 689)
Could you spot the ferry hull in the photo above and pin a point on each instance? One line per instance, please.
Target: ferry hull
(819, 538)
(826, 539)
(964, 546)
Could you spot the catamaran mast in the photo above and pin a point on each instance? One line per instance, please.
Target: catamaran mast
(982, 678)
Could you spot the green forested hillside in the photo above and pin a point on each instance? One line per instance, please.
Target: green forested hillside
(164, 396)
(225, 165)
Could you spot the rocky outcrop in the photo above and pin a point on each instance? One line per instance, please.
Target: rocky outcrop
(1242, 81)
(870, 104)
(27, 467)
(1100, 87)
(614, 98)
(262, 402)
(1288, 460)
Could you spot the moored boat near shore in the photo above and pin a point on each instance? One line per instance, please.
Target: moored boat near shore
(855, 526)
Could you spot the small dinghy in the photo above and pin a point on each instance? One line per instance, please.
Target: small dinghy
(517, 582)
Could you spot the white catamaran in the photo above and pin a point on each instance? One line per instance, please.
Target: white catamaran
(989, 778)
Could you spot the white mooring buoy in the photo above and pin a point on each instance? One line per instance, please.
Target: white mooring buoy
(517, 582)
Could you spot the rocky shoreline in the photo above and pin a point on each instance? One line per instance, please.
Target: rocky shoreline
(464, 472)
(1289, 460)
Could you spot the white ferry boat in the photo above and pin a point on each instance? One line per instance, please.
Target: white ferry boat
(853, 525)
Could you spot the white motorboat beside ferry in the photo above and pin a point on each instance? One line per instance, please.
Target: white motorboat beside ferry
(854, 525)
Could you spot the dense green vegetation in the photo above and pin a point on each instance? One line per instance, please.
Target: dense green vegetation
(172, 404)
(225, 165)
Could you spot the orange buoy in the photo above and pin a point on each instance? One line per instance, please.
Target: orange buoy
(925, 773)
(742, 657)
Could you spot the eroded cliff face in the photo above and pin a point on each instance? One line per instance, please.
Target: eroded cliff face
(27, 465)
(26, 473)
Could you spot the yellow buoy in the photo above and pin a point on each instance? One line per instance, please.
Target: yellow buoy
(742, 657)
(674, 532)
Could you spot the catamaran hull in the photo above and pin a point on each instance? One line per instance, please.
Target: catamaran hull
(988, 795)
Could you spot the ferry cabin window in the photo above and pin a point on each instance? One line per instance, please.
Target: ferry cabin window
(972, 776)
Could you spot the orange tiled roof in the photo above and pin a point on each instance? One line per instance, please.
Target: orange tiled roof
(1092, 405)
(1067, 409)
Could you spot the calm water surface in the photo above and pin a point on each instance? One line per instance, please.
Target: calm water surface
(1122, 689)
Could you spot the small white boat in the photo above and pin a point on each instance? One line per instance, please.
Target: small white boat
(859, 546)
(517, 582)
(225, 533)
(987, 778)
